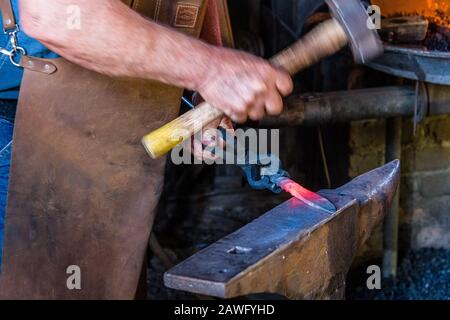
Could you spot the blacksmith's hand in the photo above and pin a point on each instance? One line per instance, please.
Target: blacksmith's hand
(210, 137)
(244, 86)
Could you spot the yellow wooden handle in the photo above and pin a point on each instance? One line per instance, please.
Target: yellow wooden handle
(326, 39)
(164, 139)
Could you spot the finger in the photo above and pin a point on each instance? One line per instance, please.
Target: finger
(214, 140)
(227, 124)
(207, 153)
(284, 83)
(274, 103)
(237, 112)
(197, 149)
(200, 153)
(238, 117)
(220, 143)
(257, 111)
(210, 136)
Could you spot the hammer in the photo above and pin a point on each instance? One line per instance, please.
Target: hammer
(349, 25)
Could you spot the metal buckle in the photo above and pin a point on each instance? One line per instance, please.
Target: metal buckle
(16, 52)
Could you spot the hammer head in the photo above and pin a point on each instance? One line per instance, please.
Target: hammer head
(354, 19)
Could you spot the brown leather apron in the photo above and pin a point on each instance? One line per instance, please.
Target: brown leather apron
(82, 188)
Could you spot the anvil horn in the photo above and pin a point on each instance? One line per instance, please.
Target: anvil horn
(293, 250)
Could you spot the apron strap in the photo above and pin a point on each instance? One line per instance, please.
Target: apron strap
(10, 27)
(9, 21)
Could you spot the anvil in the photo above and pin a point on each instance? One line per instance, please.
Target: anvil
(294, 250)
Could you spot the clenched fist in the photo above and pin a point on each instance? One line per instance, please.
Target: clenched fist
(244, 86)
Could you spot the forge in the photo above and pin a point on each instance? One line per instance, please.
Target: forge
(417, 36)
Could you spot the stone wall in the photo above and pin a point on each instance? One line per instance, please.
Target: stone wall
(425, 189)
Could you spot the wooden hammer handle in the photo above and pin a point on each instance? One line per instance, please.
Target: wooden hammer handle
(325, 40)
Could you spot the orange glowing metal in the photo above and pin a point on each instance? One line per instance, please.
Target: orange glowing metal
(310, 198)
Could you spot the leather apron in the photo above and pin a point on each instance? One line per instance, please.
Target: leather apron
(82, 188)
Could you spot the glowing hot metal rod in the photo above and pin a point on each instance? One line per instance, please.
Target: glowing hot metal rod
(276, 182)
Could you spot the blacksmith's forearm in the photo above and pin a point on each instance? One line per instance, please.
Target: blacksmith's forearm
(114, 40)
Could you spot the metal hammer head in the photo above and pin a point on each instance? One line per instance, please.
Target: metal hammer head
(354, 19)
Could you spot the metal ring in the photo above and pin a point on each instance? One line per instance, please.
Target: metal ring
(17, 52)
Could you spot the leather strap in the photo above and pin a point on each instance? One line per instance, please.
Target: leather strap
(217, 26)
(38, 65)
(185, 15)
(9, 21)
(27, 62)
